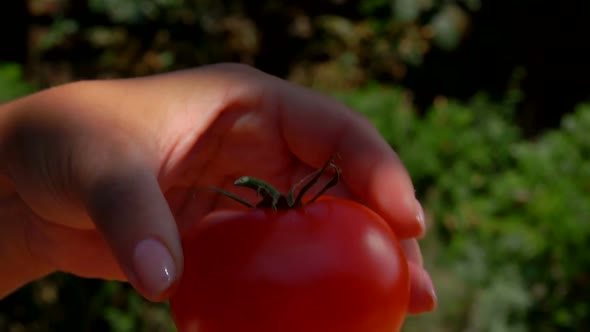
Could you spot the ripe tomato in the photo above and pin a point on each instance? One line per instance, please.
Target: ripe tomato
(330, 265)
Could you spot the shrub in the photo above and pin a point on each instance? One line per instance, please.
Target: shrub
(12, 83)
(511, 216)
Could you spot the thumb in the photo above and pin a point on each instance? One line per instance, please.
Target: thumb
(130, 211)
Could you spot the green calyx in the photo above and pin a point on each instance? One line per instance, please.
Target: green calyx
(274, 199)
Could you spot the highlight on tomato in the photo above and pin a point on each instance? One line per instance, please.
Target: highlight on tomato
(289, 265)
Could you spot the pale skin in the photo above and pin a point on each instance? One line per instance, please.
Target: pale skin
(101, 178)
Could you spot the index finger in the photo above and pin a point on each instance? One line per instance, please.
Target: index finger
(315, 127)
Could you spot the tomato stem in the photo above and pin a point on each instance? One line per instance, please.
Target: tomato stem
(316, 176)
(274, 199)
(328, 185)
(262, 188)
(234, 197)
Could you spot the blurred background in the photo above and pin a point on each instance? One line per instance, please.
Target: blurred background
(485, 101)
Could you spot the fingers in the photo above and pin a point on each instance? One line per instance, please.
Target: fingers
(422, 295)
(412, 251)
(130, 211)
(315, 128)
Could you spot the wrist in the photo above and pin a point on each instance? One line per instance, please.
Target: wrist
(17, 265)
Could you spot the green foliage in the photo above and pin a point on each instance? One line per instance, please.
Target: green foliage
(66, 303)
(327, 44)
(12, 83)
(133, 11)
(510, 216)
(60, 30)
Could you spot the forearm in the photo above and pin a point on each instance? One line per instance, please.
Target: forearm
(17, 265)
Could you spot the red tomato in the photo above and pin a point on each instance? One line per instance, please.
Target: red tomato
(331, 266)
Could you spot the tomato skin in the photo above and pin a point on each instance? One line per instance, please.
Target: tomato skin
(333, 265)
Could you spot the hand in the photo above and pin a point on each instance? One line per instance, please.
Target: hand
(103, 176)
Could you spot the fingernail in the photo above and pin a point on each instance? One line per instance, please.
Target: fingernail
(429, 286)
(154, 266)
(420, 215)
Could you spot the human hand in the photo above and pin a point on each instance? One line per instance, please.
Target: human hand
(103, 176)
